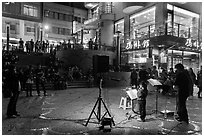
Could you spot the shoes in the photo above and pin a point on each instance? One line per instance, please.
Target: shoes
(141, 120)
(12, 116)
(180, 120)
(17, 114)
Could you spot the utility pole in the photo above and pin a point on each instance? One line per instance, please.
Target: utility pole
(7, 36)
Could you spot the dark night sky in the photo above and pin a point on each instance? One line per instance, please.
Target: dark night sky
(73, 4)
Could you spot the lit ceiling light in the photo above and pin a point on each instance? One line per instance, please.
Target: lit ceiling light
(130, 9)
(182, 2)
(91, 5)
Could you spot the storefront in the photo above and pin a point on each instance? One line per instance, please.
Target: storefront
(163, 37)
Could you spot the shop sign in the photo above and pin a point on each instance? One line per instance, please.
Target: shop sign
(192, 43)
(137, 44)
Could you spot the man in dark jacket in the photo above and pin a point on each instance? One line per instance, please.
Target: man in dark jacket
(133, 77)
(13, 86)
(182, 85)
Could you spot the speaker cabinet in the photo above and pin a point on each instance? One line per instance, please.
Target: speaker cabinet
(100, 64)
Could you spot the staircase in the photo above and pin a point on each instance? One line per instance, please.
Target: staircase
(48, 86)
(78, 84)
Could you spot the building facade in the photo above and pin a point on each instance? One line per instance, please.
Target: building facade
(161, 34)
(40, 21)
(21, 20)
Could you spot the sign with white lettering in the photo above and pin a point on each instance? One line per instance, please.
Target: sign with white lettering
(192, 43)
(137, 44)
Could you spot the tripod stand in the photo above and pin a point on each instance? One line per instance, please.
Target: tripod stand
(98, 102)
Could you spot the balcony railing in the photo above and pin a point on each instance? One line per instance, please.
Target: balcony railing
(178, 31)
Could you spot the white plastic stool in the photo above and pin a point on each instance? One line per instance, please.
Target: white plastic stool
(124, 104)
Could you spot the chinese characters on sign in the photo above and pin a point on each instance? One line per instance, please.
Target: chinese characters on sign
(192, 43)
(138, 44)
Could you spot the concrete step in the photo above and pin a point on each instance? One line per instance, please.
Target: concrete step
(78, 84)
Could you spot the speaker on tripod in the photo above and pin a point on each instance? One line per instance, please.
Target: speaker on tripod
(100, 64)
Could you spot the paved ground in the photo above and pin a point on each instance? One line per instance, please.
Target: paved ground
(65, 112)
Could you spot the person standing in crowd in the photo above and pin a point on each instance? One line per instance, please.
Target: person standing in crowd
(182, 86)
(133, 77)
(171, 73)
(21, 73)
(142, 95)
(43, 47)
(155, 73)
(46, 46)
(143, 74)
(193, 78)
(21, 46)
(199, 82)
(31, 45)
(69, 44)
(27, 45)
(14, 87)
(40, 79)
(90, 44)
(37, 46)
(29, 80)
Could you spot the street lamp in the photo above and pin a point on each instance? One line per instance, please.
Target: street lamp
(118, 48)
(46, 27)
(7, 36)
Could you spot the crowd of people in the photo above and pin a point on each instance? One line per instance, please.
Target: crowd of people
(181, 81)
(44, 46)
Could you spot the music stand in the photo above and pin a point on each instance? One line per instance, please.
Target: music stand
(155, 83)
(98, 102)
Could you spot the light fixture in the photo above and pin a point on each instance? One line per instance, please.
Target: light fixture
(131, 9)
(46, 27)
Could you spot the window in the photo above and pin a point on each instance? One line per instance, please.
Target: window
(55, 30)
(30, 29)
(56, 15)
(30, 10)
(184, 22)
(11, 7)
(68, 18)
(78, 19)
(61, 31)
(140, 24)
(61, 16)
(13, 29)
(46, 13)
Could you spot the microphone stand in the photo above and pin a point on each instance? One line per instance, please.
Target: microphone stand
(99, 101)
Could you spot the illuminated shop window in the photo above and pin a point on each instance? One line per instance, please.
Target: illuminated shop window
(119, 26)
(142, 24)
(182, 23)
